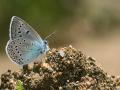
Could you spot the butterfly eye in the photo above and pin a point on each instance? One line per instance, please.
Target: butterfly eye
(45, 42)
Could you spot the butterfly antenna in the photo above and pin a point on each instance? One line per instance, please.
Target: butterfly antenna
(50, 35)
(53, 40)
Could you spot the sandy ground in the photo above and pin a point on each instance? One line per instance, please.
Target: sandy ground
(6, 64)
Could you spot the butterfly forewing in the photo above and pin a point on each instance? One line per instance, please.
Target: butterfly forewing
(19, 28)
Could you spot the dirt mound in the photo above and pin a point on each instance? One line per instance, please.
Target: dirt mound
(63, 69)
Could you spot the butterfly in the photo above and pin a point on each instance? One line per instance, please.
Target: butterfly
(25, 45)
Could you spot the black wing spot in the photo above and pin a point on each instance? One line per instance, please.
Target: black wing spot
(24, 40)
(20, 36)
(13, 60)
(13, 57)
(20, 54)
(27, 32)
(19, 31)
(20, 43)
(41, 52)
(13, 42)
(20, 62)
(19, 28)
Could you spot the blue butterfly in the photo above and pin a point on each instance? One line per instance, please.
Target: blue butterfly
(25, 45)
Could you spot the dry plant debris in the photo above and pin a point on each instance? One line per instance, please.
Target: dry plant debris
(63, 69)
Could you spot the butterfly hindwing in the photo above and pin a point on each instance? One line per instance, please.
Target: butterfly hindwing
(23, 51)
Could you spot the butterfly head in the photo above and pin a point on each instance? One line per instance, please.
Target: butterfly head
(46, 45)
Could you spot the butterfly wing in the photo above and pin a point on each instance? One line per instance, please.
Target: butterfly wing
(19, 28)
(23, 51)
(25, 45)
